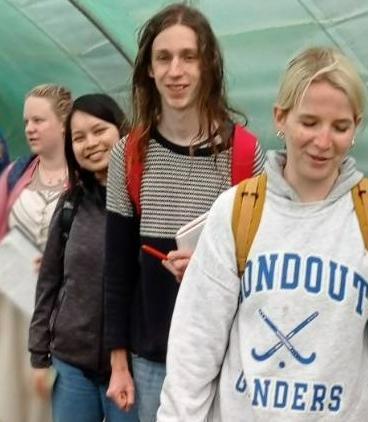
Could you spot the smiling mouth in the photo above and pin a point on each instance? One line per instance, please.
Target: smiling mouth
(319, 159)
(96, 154)
(177, 88)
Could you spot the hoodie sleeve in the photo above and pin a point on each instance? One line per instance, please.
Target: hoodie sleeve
(48, 286)
(202, 320)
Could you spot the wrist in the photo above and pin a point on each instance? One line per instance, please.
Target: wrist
(119, 360)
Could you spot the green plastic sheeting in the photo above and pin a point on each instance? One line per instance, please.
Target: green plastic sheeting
(89, 45)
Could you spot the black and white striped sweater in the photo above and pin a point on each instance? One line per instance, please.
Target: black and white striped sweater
(176, 188)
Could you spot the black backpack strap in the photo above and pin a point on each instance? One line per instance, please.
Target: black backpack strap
(70, 208)
(68, 212)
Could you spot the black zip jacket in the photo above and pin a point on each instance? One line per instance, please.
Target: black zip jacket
(68, 318)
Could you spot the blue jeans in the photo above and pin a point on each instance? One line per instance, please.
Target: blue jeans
(148, 379)
(78, 398)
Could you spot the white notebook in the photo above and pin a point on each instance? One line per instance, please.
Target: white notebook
(187, 236)
(17, 274)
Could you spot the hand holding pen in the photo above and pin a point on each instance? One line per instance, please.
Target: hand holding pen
(175, 261)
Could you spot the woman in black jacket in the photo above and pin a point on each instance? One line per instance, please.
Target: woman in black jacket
(67, 325)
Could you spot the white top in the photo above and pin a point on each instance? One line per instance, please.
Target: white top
(33, 209)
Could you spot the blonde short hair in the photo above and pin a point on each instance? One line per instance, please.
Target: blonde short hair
(321, 64)
(59, 96)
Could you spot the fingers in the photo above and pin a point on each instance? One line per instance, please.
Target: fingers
(129, 397)
(41, 382)
(118, 397)
(37, 264)
(177, 267)
(170, 267)
(179, 254)
(123, 399)
(121, 390)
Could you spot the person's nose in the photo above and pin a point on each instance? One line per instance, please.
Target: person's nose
(29, 127)
(323, 138)
(92, 140)
(176, 67)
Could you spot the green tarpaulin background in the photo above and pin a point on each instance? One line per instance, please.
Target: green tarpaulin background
(90, 46)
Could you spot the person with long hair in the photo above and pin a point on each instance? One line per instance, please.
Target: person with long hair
(286, 340)
(29, 190)
(181, 137)
(67, 325)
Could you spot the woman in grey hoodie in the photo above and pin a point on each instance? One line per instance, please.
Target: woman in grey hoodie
(273, 345)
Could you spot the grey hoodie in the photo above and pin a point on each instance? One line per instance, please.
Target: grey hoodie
(287, 342)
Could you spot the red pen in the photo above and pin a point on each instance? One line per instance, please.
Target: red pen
(154, 252)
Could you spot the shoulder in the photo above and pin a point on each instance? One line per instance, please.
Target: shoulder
(116, 167)
(221, 209)
(18, 168)
(243, 139)
(119, 148)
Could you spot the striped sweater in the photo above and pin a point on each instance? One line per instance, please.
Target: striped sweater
(176, 188)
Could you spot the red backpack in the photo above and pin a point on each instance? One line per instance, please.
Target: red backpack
(244, 149)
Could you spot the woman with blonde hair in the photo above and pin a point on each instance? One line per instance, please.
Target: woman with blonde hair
(286, 340)
(29, 190)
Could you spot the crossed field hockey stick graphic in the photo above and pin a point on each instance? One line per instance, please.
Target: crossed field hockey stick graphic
(284, 340)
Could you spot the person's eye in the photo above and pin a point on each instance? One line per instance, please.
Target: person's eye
(308, 123)
(162, 58)
(77, 139)
(99, 131)
(190, 57)
(342, 129)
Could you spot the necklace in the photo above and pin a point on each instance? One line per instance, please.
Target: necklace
(50, 179)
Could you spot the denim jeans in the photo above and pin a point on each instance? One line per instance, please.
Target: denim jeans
(148, 379)
(78, 398)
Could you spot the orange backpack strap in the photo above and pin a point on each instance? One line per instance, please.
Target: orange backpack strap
(247, 211)
(360, 199)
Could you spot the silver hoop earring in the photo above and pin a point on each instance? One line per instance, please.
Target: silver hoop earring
(353, 142)
(280, 134)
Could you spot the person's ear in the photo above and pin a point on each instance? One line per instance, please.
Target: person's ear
(358, 120)
(150, 72)
(279, 118)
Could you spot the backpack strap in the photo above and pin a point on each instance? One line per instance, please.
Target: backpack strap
(244, 150)
(360, 200)
(134, 171)
(68, 212)
(247, 211)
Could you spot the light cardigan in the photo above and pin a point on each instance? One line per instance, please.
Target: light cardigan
(7, 199)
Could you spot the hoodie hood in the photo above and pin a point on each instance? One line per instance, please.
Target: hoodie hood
(349, 176)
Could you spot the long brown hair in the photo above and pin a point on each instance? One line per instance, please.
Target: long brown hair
(212, 101)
